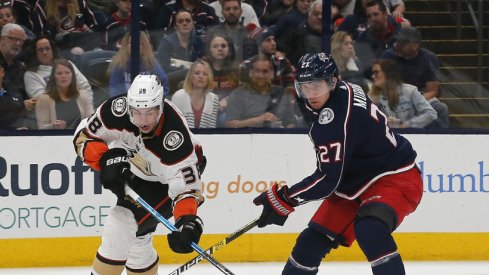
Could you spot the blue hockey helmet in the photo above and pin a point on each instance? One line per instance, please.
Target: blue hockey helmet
(319, 72)
(316, 66)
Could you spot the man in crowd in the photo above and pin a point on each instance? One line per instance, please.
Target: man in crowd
(419, 67)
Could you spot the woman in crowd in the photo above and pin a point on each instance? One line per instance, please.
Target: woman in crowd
(42, 54)
(182, 44)
(120, 68)
(65, 16)
(196, 100)
(403, 104)
(349, 66)
(62, 106)
(7, 15)
(220, 54)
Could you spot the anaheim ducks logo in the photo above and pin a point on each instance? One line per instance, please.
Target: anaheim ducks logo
(326, 116)
(119, 106)
(173, 140)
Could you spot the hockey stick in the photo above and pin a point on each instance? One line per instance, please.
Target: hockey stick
(215, 247)
(170, 226)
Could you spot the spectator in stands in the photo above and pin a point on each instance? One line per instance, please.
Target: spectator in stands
(259, 103)
(12, 108)
(396, 8)
(402, 103)
(221, 56)
(276, 11)
(183, 44)
(419, 67)
(260, 6)
(105, 7)
(292, 19)
(42, 54)
(118, 24)
(248, 15)
(380, 34)
(231, 10)
(346, 7)
(62, 106)
(30, 13)
(7, 15)
(65, 16)
(198, 104)
(11, 42)
(349, 65)
(283, 70)
(357, 23)
(120, 69)
(307, 37)
(204, 15)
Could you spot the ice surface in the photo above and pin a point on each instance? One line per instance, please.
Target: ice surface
(327, 268)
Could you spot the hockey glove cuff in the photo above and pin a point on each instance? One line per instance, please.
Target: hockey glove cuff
(189, 230)
(276, 206)
(114, 170)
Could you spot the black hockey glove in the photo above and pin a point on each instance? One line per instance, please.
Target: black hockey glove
(189, 230)
(114, 170)
(201, 159)
(276, 206)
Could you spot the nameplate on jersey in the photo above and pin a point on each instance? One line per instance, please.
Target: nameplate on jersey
(173, 140)
(326, 116)
(119, 106)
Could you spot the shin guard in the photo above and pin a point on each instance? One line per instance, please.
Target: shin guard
(310, 248)
(375, 240)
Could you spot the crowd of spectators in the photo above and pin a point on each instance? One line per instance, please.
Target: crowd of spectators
(224, 63)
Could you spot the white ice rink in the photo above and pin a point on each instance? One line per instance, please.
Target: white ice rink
(327, 268)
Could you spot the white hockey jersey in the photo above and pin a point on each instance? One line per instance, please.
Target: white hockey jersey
(167, 156)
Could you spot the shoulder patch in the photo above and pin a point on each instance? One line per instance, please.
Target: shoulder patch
(326, 116)
(173, 140)
(119, 106)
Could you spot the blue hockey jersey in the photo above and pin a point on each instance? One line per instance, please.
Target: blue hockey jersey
(354, 147)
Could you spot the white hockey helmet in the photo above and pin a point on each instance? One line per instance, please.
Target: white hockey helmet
(145, 92)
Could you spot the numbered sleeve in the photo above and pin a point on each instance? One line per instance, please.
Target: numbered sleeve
(91, 139)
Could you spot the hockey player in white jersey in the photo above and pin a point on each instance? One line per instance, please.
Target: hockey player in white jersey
(143, 140)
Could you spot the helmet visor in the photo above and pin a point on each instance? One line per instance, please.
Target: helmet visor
(312, 89)
(145, 118)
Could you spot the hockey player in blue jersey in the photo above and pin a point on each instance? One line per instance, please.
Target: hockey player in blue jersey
(366, 176)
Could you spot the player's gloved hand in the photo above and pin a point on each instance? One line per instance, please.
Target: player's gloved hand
(114, 170)
(189, 230)
(276, 206)
(202, 160)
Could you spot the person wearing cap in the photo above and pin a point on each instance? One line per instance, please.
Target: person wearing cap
(419, 67)
(266, 45)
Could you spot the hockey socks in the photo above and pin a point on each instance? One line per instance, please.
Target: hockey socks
(310, 248)
(376, 242)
